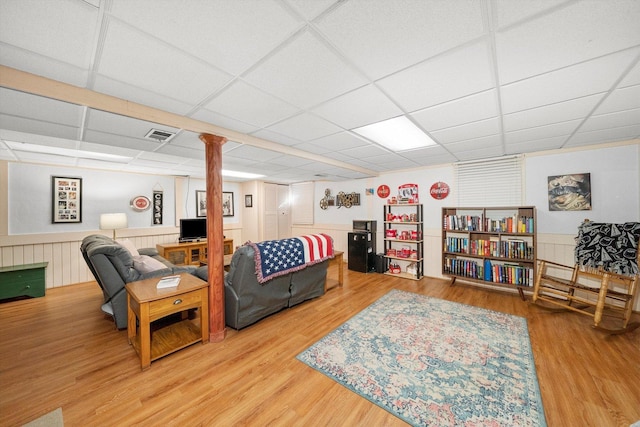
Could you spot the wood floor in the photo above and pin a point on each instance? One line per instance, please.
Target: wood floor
(60, 351)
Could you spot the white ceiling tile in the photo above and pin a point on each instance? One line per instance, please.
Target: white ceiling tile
(262, 111)
(176, 150)
(555, 113)
(381, 37)
(469, 109)
(230, 34)
(305, 73)
(542, 132)
(120, 125)
(612, 120)
(479, 148)
(360, 107)
(275, 137)
(136, 59)
(142, 96)
(222, 121)
(42, 66)
(64, 29)
(365, 151)
(253, 153)
(310, 9)
(442, 79)
(633, 78)
(109, 149)
(305, 127)
(340, 141)
(553, 143)
(510, 11)
(38, 127)
(580, 80)
(604, 135)
(188, 140)
(622, 99)
(468, 131)
(35, 107)
(119, 141)
(578, 32)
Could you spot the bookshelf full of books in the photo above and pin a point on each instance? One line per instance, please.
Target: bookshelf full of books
(491, 245)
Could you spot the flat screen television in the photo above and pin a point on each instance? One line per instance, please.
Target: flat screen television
(193, 229)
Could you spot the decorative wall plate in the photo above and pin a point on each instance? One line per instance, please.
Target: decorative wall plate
(140, 203)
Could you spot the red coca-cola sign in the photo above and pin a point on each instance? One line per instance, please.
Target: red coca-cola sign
(384, 191)
(439, 190)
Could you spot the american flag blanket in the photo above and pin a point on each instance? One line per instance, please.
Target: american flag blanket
(279, 257)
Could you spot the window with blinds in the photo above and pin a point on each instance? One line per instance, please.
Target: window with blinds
(302, 203)
(492, 182)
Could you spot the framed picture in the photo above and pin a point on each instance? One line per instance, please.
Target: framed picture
(569, 192)
(227, 203)
(248, 201)
(66, 195)
(201, 203)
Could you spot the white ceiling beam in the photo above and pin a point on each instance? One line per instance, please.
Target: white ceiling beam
(12, 78)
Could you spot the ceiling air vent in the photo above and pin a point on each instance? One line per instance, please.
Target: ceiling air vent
(159, 135)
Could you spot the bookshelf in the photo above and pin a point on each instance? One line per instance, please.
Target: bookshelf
(403, 240)
(490, 245)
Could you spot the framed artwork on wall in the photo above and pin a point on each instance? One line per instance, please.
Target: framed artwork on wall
(569, 192)
(201, 203)
(66, 204)
(227, 203)
(248, 201)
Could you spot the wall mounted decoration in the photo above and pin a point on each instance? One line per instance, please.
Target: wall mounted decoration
(384, 191)
(368, 191)
(227, 203)
(66, 204)
(569, 192)
(158, 196)
(140, 203)
(408, 193)
(248, 201)
(201, 203)
(439, 190)
(347, 200)
(324, 202)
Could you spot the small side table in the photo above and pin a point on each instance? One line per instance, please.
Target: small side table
(339, 261)
(146, 304)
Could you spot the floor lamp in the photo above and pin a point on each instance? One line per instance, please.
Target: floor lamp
(113, 221)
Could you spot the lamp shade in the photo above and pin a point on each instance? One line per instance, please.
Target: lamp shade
(113, 221)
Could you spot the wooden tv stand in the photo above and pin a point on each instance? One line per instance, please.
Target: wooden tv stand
(189, 253)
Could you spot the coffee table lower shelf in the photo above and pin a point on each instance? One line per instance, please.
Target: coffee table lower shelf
(171, 338)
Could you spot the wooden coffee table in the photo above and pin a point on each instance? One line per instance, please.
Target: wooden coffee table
(146, 304)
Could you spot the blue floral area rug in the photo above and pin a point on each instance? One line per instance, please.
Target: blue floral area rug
(432, 362)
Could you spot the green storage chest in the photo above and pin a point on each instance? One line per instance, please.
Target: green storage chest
(22, 280)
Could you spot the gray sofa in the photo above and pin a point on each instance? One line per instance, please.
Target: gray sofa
(113, 267)
(247, 301)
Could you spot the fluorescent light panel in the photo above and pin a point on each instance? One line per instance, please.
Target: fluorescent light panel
(67, 152)
(236, 174)
(397, 134)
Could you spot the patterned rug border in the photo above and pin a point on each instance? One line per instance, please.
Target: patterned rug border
(362, 313)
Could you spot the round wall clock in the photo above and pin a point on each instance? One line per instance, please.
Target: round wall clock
(140, 203)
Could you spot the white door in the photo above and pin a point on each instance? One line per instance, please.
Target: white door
(271, 217)
(284, 208)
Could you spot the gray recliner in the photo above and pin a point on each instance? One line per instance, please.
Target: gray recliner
(112, 266)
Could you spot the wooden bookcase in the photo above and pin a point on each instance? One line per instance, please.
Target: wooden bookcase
(406, 248)
(490, 245)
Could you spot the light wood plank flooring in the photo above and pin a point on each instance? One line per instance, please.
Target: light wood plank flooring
(60, 351)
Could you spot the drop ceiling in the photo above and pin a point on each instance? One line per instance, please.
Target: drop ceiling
(482, 78)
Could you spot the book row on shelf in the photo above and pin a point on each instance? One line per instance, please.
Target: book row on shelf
(510, 224)
(512, 274)
(511, 248)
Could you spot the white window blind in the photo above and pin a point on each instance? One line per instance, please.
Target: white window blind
(492, 182)
(302, 203)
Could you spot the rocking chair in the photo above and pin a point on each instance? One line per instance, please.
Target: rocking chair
(604, 280)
